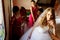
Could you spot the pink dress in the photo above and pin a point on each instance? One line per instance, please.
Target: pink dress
(31, 22)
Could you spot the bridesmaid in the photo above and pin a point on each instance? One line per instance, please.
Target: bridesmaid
(33, 16)
(16, 22)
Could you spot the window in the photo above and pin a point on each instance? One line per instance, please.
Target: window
(2, 27)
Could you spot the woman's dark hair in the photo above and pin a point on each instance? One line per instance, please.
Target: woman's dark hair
(15, 9)
(41, 10)
(53, 13)
(23, 9)
(32, 1)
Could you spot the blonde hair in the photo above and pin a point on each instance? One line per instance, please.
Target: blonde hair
(42, 18)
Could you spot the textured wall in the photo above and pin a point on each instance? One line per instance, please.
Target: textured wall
(24, 3)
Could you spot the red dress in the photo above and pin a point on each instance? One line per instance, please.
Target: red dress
(34, 10)
(16, 28)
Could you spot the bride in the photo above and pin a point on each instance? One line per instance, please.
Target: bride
(42, 29)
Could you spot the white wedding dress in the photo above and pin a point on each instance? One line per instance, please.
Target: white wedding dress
(38, 33)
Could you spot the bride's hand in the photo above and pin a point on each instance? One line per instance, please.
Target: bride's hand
(28, 38)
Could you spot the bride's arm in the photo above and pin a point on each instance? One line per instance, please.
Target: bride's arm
(54, 37)
(53, 24)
